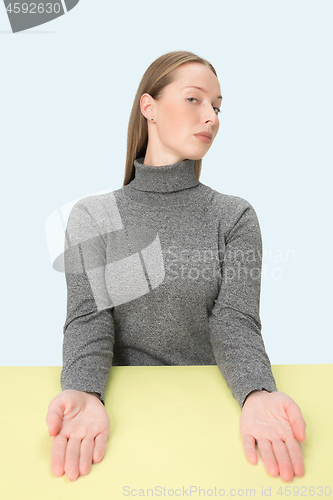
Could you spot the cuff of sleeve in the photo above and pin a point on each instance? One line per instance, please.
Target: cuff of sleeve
(98, 395)
(90, 383)
(267, 388)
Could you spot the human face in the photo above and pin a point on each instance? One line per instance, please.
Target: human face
(189, 105)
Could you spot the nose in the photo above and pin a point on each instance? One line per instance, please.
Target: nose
(210, 116)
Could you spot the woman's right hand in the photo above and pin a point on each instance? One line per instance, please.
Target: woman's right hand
(80, 427)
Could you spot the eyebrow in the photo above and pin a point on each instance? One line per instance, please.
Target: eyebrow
(199, 88)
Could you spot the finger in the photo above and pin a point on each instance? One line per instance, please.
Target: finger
(58, 453)
(283, 460)
(100, 447)
(72, 458)
(87, 448)
(54, 417)
(296, 456)
(296, 420)
(268, 457)
(249, 445)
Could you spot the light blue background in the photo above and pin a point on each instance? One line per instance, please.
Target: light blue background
(67, 89)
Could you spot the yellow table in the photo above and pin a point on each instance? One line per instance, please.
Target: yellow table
(173, 430)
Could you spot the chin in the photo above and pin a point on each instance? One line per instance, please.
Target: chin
(196, 156)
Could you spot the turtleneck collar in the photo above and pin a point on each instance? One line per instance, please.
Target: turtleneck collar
(164, 179)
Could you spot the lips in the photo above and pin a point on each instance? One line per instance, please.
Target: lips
(204, 136)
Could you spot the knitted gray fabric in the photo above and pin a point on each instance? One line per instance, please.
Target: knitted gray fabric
(164, 271)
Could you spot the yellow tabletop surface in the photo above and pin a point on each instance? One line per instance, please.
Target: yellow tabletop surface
(174, 433)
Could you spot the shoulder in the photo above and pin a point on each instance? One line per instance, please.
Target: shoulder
(226, 206)
(96, 201)
(235, 215)
(98, 210)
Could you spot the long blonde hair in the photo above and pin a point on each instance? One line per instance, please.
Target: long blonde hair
(157, 76)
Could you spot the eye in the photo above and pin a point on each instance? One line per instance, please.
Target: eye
(191, 99)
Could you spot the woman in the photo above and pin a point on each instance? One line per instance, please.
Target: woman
(158, 273)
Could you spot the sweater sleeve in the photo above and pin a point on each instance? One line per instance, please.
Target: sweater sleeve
(89, 327)
(235, 326)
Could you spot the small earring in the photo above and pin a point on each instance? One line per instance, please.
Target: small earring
(152, 119)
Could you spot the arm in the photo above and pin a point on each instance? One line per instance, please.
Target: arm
(235, 325)
(78, 423)
(89, 328)
(269, 418)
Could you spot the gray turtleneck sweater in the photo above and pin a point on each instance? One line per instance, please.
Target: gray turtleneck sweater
(164, 271)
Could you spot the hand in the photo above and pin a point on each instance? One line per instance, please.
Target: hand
(275, 422)
(80, 425)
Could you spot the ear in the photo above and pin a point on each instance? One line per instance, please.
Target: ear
(147, 106)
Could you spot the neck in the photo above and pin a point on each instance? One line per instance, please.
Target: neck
(160, 159)
(164, 178)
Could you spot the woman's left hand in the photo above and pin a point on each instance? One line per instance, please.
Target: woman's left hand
(275, 422)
